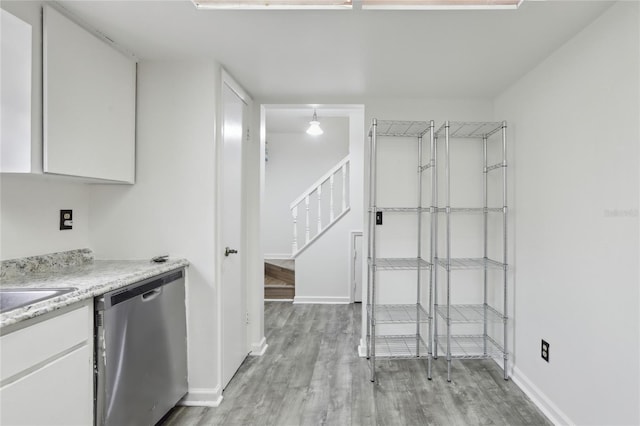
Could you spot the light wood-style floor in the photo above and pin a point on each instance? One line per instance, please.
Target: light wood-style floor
(311, 374)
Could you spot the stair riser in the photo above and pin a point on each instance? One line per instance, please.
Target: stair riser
(279, 293)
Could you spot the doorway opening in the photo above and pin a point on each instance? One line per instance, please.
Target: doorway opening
(311, 201)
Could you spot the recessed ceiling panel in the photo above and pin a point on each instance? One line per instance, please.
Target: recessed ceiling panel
(272, 4)
(440, 4)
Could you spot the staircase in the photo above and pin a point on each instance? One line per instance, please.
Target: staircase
(279, 279)
(314, 214)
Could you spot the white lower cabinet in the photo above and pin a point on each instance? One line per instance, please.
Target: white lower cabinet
(47, 371)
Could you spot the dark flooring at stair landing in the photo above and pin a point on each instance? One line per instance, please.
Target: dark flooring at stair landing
(279, 279)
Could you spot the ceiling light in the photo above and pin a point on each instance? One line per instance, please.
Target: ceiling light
(440, 4)
(314, 126)
(273, 4)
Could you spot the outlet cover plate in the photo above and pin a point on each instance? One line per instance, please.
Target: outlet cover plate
(66, 219)
(544, 350)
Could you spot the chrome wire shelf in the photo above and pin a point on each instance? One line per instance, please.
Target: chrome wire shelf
(401, 347)
(471, 346)
(389, 314)
(469, 129)
(398, 320)
(404, 263)
(471, 209)
(495, 167)
(404, 209)
(470, 263)
(469, 313)
(402, 128)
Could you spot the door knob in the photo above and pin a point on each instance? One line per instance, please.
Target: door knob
(228, 251)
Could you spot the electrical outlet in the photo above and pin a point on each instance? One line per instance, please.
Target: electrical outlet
(544, 350)
(66, 219)
(378, 218)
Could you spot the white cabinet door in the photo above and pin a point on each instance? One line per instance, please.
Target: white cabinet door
(89, 103)
(55, 394)
(15, 72)
(46, 369)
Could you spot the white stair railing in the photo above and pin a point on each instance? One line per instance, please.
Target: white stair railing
(325, 214)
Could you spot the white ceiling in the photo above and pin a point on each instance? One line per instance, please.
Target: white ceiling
(295, 119)
(348, 54)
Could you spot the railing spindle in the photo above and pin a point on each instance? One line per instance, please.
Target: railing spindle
(307, 230)
(344, 187)
(331, 215)
(294, 213)
(319, 209)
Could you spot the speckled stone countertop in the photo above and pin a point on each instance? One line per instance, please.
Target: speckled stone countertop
(90, 277)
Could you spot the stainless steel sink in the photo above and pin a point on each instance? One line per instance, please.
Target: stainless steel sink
(13, 298)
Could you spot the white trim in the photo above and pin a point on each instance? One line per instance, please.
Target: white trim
(258, 349)
(278, 300)
(352, 265)
(319, 234)
(548, 408)
(320, 181)
(278, 256)
(298, 300)
(235, 86)
(202, 397)
(362, 349)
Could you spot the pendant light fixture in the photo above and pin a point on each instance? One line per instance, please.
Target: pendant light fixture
(314, 126)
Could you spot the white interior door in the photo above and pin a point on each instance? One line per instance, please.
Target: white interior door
(234, 327)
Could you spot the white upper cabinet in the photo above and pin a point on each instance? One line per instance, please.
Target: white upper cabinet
(89, 100)
(15, 64)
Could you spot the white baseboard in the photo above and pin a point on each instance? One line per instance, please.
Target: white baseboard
(362, 349)
(553, 413)
(202, 397)
(278, 300)
(278, 256)
(258, 349)
(321, 300)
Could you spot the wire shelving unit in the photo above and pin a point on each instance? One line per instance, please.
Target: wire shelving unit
(416, 314)
(485, 344)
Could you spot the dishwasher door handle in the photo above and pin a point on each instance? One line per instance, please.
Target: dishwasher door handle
(150, 295)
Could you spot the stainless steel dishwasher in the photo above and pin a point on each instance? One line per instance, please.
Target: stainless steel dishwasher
(141, 351)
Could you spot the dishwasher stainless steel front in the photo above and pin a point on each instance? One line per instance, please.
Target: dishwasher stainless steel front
(141, 351)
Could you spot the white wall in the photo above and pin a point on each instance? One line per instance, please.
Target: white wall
(30, 212)
(574, 132)
(323, 268)
(171, 207)
(30, 204)
(296, 160)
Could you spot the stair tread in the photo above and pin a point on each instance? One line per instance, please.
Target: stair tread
(282, 263)
(279, 273)
(274, 282)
